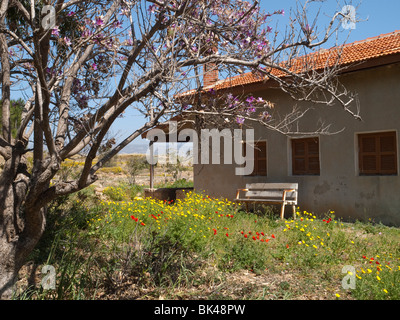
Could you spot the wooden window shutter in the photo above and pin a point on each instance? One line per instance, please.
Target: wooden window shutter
(260, 160)
(305, 156)
(259, 157)
(377, 153)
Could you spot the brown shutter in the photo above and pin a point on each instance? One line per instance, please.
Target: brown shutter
(260, 158)
(377, 153)
(305, 156)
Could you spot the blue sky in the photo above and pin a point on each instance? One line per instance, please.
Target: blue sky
(376, 17)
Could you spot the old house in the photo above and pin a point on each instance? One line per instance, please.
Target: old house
(355, 171)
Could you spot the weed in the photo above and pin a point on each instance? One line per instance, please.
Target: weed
(163, 247)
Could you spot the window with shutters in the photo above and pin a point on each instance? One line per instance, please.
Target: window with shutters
(305, 156)
(260, 158)
(377, 153)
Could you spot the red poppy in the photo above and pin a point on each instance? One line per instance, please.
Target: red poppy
(245, 235)
(254, 238)
(287, 246)
(142, 223)
(215, 231)
(273, 236)
(227, 234)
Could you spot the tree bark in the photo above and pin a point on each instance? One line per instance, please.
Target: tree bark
(21, 226)
(16, 245)
(8, 268)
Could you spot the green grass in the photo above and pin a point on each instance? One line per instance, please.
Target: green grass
(189, 248)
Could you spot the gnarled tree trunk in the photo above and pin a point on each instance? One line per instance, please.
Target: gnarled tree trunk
(22, 226)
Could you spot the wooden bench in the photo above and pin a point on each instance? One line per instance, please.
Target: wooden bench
(270, 193)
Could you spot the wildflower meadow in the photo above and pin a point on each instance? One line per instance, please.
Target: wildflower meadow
(188, 247)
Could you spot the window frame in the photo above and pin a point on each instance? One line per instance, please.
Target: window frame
(377, 153)
(307, 171)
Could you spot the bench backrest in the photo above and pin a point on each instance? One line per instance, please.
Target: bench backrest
(271, 190)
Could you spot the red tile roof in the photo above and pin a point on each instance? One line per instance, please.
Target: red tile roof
(347, 55)
(350, 54)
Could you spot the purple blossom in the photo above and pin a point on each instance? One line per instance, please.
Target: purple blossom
(117, 24)
(307, 29)
(55, 31)
(265, 116)
(70, 14)
(67, 41)
(152, 8)
(232, 101)
(239, 120)
(82, 101)
(94, 66)
(250, 99)
(99, 22)
(86, 33)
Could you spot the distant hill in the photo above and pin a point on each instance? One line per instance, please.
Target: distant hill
(138, 148)
(142, 147)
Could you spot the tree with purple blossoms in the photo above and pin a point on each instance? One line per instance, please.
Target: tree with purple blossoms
(82, 68)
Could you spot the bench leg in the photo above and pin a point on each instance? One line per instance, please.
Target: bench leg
(282, 210)
(294, 211)
(247, 206)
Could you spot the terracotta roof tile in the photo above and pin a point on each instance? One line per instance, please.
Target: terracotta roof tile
(356, 52)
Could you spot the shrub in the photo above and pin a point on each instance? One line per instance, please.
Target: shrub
(114, 170)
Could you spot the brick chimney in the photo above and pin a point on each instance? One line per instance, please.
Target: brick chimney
(210, 69)
(210, 75)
